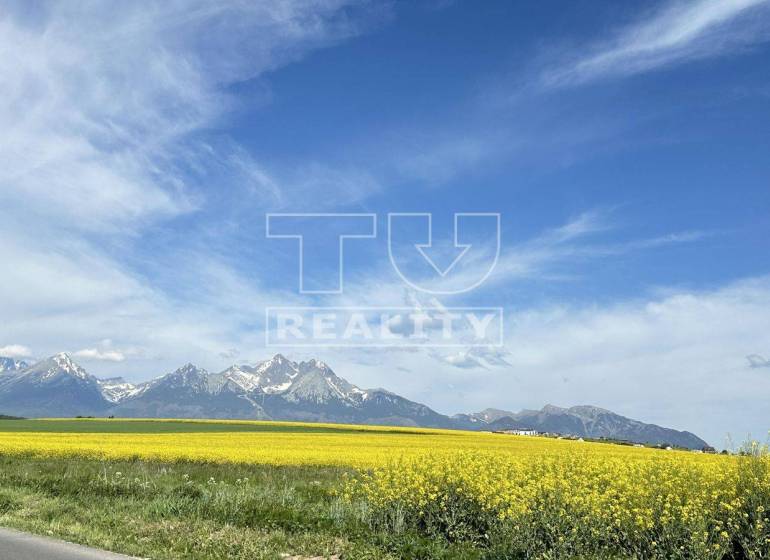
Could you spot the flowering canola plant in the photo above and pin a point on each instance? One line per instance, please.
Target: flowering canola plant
(545, 496)
(581, 500)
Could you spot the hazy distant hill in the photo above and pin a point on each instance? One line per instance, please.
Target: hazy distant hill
(583, 421)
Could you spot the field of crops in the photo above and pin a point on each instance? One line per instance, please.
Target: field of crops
(502, 496)
(280, 443)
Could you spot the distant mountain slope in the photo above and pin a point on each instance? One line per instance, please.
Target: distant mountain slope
(587, 421)
(54, 387)
(275, 389)
(189, 392)
(281, 389)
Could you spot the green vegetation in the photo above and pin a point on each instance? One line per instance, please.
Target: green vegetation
(212, 511)
(198, 511)
(82, 425)
(174, 511)
(151, 426)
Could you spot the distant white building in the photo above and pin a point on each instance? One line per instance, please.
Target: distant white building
(520, 432)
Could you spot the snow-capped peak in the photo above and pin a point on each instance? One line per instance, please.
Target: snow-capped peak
(318, 383)
(276, 375)
(189, 368)
(63, 363)
(278, 361)
(187, 375)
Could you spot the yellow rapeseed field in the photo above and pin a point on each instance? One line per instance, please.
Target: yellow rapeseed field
(583, 499)
(569, 496)
(361, 447)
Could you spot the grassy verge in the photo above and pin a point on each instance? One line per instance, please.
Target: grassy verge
(197, 511)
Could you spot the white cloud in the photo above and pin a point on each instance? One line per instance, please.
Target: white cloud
(460, 359)
(102, 110)
(475, 357)
(676, 359)
(15, 351)
(544, 256)
(550, 256)
(677, 33)
(578, 240)
(100, 102)
(101, 355)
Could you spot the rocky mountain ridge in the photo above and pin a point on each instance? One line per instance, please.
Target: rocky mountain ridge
(582, 421)
(281, 389)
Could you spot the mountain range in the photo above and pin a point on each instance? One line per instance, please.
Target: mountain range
(281, 389)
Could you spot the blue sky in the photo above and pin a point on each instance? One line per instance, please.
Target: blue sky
(624, 144)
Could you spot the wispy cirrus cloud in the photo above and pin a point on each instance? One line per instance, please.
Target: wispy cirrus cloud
(106, 112)
(676, 33)
(582, 238)
(547, 256)
(101, 104)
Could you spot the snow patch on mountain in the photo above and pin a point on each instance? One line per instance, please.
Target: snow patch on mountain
(12, 364)
(242, 377)
(117, 389)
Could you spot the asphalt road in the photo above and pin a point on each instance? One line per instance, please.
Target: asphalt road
(15, 545)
